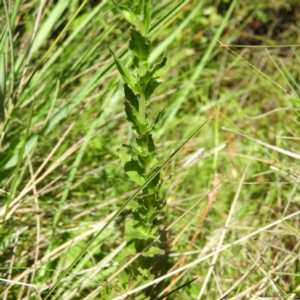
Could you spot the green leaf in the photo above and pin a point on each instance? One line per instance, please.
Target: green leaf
(139, 45)
(133, 170)
(157, 118)
(152, 251)
(138, 7)
(147, 15)
(131, 97)
(125, 73)
(161, 69)
(134, 206)
(158, 216)
(147, 206)
(146, 142)
(136, 230)
(136, 149)
(132, 167)
(127, 13)
(136, 62)
(154, 71)
(151, 125)
(130, 248)
(132, 118)
(150, 88)
(144, 272)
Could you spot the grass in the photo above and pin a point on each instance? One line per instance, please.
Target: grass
(232, 214)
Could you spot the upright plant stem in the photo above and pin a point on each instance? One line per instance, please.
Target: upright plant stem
(142, 109)
(139, 159)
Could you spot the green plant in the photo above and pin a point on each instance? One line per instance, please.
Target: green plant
(64, 194)
(139, 160)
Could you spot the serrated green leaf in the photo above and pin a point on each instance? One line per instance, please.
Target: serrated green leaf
(131, 97)
(131, 114)
(152, 251)
(127, 13)
(161, 69)
(136, 149)
(147, 207)
(150, 88)
(133, 170)
(125, 73)
(139, 45)
(132, 167)
(136, 230)
(153, 73)
(132, 118)
(144, 272)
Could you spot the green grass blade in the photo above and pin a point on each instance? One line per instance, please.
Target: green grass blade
(14, 13)
(167, 17)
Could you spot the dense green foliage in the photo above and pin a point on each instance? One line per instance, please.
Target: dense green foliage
(215, 206)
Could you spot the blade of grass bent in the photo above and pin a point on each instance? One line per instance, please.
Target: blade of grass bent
(123, 207)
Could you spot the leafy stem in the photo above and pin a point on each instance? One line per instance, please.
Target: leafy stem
(139, 159)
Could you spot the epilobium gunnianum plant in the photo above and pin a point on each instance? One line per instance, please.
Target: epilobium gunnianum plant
(139, 159)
